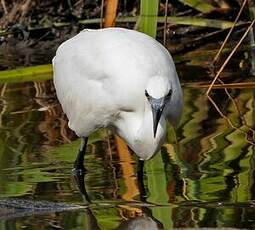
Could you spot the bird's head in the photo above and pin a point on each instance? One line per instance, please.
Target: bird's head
(158, 93)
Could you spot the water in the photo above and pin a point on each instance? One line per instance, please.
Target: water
(206, 180)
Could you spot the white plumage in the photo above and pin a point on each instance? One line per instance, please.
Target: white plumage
(100, 78)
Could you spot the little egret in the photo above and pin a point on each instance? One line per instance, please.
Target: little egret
(120, 79)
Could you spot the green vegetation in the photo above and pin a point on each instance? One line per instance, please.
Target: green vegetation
(148, 17)
(205, 179)
(33, 73)
(199, 5)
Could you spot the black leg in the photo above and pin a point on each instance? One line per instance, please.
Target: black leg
(79, 170)
(140, 180)
(79, 181)
(79, 162)
(140, 169)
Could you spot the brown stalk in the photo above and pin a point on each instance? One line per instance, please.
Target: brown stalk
(237, 109)
(229, 57)
(223, 4)
(4, 6)
(137, 23)
(235, 104)
(102, 14)
(2, 92)
(110, 13)
(63, 130)
(229, 121)
(109, 148)
(24, 8)
(234, 101)
(229, 33)
(240, 85)
(127, 169)
(165, 23)
(110, 152)
(14, 12)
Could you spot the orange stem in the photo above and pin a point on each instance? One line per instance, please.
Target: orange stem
(110, 13)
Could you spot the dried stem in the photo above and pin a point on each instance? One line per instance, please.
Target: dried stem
(63, 125)
(229, 33)
(137, 23)
(25, 7)
(165, 23)
(229, 121)
(110, 13)
(102, 14)
(239, 85)
(4, 6)
(127, 167)
(2, 92)
(236, 106)
(229, 57)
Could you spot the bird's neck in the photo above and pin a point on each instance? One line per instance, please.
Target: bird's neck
(137, 130)
(145, 142)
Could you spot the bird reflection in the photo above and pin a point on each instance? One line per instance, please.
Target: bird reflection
(140, 181)
(137, 223)
(145, 221)
(79, 178)
(91, 221)
(142, 222)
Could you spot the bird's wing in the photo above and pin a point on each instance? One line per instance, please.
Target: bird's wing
(104, 72)
(113, 62)
(81, 91)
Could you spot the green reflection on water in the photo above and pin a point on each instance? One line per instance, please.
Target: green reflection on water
(212, 163)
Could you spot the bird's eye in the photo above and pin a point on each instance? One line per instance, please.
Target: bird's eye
(146, 94)
(168, 96)
(169, 93)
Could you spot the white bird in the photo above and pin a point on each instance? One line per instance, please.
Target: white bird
(120, 79)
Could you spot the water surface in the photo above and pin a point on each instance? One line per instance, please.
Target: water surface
(206, 179)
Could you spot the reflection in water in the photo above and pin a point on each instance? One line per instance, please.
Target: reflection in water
(79, 180)
(17, 208)
(11, 208)
(206, 180)
(143, 222)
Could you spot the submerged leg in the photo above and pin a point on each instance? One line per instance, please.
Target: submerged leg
(80, 183)
(79, 170)
(140, 180)
(79, 162)
(140, 169)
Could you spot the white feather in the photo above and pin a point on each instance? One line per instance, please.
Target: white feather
(100, 78)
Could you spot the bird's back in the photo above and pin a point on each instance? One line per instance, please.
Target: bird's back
(104, 72)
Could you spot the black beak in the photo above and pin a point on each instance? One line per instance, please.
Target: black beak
(157, 107)
(156, 114)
